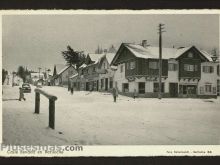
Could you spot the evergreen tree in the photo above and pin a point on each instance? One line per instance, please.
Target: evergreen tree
(21, 73)
(54, 71)
(73, 57)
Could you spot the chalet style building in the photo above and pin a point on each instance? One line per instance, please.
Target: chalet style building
(61, 74)
(96, 74)
(186, 71)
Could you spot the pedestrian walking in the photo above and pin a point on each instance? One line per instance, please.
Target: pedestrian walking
(21, 94)
(114, 93)
(71, 88)
(135, 94)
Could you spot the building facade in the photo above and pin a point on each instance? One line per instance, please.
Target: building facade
(186, 72)
(96, 76)
(61, 78)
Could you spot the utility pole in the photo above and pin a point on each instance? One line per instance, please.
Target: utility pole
(39, 72)
(161, 27)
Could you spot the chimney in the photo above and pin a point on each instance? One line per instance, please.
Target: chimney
(144, 43)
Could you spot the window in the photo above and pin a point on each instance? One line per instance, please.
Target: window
(156, 87)
(208, 88)
(201, 90)
(154, 65)
(125, 87)
(102, 83)
(195, 68)
(128, 66)
(218, 70)
(208, 69)
(111, 82)
(172, 67)
(214, 90)
(190, 55)
(93, 69)
(104, 65)
(141, 86)
(132, 64)
(190, 67)
(121, 68)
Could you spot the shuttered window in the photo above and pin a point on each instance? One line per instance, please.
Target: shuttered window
(208, 88)
(208, 69)
(154, 65)
(172, 67)
(201, 90)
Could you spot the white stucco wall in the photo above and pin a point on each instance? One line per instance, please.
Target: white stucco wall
(119, 77)
(208, 78)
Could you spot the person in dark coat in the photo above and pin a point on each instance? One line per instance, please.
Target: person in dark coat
(71, 88)
(114, 93)
(135, 94)
(21, 94)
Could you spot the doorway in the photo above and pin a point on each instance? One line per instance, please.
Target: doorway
(173, 89)
(106, 84)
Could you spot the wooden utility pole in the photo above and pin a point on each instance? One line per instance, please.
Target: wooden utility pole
(39, 72)
(161, 27)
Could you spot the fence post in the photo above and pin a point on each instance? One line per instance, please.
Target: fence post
(37, 102)
(52, 113)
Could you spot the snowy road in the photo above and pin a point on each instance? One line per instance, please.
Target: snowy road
(94, 119)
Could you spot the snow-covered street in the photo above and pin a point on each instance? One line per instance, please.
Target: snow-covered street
(94, 119)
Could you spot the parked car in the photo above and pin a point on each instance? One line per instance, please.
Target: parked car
(26, 88)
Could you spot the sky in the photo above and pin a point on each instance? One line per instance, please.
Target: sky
(38, 40)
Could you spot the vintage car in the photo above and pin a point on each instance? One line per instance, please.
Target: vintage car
(26, 88)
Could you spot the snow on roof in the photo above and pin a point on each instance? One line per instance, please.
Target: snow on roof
(206, 54)
(75, 75)
(83, 66)
(110, 57)
(153, 52)
(95, 57)
(113, 67)
(61, 71)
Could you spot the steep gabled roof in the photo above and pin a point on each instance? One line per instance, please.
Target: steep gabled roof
(95, 57)
(63, 69)
(73, 76)
(110, 57)
(153, 52)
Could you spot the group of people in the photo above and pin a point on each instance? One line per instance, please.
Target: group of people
(114, 91)
(115, 94)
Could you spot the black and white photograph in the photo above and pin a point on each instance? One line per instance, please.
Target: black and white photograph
(110, 79)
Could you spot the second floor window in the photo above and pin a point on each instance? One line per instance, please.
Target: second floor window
(93, 69)
(208, 69)
(154, 65)
(190, 67)
(132, 64)
(121, 68)
(172, 67)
